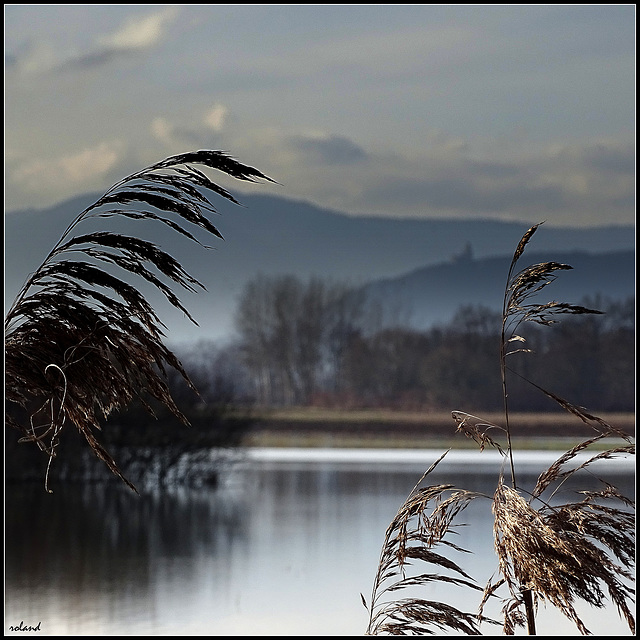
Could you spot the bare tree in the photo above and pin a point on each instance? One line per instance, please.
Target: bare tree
(295, 335)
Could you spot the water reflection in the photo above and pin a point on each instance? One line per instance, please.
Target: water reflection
(279, 549)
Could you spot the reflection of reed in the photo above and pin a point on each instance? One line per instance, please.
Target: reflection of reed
(102, 549)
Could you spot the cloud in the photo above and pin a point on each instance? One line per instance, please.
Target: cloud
(139, 32)
(594, 182)
(77, 171)
(608, 157)
(162, 130)
(198, 132)
(34, 59)
(328, 149)
(136, 35)
(453, 177)
(215, 117)
(464, 193)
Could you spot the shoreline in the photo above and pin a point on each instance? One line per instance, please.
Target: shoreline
(461, 461)
(378, 429)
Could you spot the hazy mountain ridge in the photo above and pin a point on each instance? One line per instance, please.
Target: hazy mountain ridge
(274, 235)
(433, 294)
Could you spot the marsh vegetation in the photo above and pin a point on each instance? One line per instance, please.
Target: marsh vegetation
(583, 549)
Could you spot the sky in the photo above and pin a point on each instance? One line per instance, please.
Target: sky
(513, 112)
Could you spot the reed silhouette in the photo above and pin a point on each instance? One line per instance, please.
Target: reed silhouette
(81, 340)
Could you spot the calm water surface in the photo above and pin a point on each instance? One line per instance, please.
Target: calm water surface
(284, 547)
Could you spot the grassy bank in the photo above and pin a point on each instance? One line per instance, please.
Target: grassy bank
(322, 427)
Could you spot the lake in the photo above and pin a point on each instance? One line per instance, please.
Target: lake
(284, 545)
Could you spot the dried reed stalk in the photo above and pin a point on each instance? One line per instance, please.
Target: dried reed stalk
(517, 309)
(420, 526)
(581, 550)
(558, 553)
(81, 342)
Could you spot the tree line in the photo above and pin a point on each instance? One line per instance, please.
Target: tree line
(323, 343)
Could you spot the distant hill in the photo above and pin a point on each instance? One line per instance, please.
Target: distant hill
(274, 235)
(433, 294)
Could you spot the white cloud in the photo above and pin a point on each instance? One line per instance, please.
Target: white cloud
(196, 131)
(162, 130)
(90, 162)
(78, 171)
(137, 34)
(215, 117)
(140, 32)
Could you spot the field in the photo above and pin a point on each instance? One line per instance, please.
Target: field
(320, 427)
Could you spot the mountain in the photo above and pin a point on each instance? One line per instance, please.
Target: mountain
(274, 235)
(433, 294)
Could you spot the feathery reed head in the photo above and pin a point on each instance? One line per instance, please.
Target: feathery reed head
(420, 527)
(80, 341)
(581, 550)
(558, 553)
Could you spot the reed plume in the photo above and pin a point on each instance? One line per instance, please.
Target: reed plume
(81, 341)
(579, 550)
(420, 526)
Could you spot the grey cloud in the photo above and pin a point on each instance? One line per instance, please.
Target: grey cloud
(332, 150)
(497, 170)
(137, 34)
(93, 59)
(462, 193)
(89, 60)
(591, 180)
(611, 159)
(608, 157)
